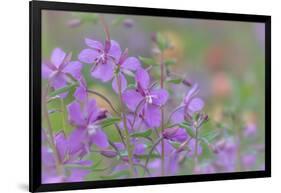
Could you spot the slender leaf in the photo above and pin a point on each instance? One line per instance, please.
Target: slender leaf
(148, 61)
(110, 121)
(188, 129)
(174, 81)
(63, 90)
(169, 62)
(144, 134)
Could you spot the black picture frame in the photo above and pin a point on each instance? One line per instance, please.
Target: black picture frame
(35, 9)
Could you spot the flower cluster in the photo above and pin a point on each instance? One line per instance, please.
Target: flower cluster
(151, 136)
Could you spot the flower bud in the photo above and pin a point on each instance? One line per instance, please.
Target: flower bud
(108, 153)
(128, 23)
(169, 132)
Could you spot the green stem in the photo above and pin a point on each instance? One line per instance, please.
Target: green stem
(105, 27)
(63, 115)
(120, 134)
(151, 150)
(196, 147)
(51, 139)
(127, 135)
(105, 99)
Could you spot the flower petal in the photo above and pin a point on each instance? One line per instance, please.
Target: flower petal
(75, 115)
(94, 44)
(80, 94)
(58, 81)
(57, 56)
(180, 135)
(132, 99)
(88, 55)
(123, 83)
(61, 144)
(139, 148)
(48, 159)
(104, 72)
(152, 115)
(159, 96)
(178, 116)
(73, 68)
(46, 71)
(142, 78)
(76, 141)
(191, 93)
(92, 111)
(196, 105)
(131, 63)
(115, 50)
(100, 139)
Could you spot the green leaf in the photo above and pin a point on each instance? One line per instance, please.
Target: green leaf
(188, 129)
(144, 134)
(110, 121)
(206, 151)
(175, 144)
(149, 61)
(97, 164)
(131, 86)
(63, 90)
(211, 135)
(161, 42)
(174, 81)
(170, 62)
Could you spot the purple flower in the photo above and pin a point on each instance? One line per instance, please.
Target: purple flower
(71, 162)
(186, 142)
(249, 161)
(226, 151)
(175, 134)
(190, 105)
(86, 118)
(171, 160)
(139, 148)
(134, 123)
(59, 68)
(128, 23)
(81, 93)
(102, 57)
(147, 99)
(250, 130)
(125, 66)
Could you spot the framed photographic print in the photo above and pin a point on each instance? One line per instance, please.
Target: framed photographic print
(125, 96)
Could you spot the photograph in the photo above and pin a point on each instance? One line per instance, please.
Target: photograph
(135, 96)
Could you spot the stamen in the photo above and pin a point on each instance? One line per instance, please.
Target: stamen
(148, 98)
(92, 129)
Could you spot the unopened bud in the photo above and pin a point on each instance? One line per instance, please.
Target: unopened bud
(169, 132)
(108, 153)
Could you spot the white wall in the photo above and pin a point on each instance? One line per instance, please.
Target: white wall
(14, 94)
